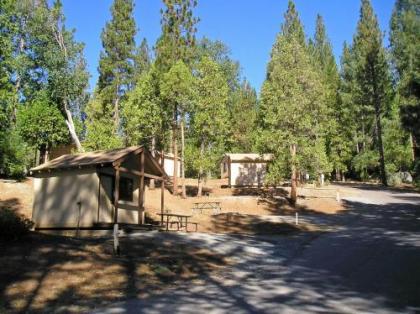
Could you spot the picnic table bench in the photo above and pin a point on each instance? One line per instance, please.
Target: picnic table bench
(200, 206)
(180, 220)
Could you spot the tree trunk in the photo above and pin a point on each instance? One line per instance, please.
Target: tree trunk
(293, 190)
(184, 192)
(413, 147)
(200, 173)
(175, 152)
(69, 119)
(72, 129)
(380, 145)
(152, 181)
(337, 175)
(117, 113)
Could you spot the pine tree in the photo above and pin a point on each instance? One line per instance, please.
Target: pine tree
(116, 64)
(176, 44)
(142, 112)
(177, 89)
(292, 29)
(405, 49)
(210, 117)
(372, 75)
(178, 33)
(337, 131)
(243, 116)
(292, 109)
(142, 61)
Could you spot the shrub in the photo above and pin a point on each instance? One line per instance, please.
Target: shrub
(12, 225)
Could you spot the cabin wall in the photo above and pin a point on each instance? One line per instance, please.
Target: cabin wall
(57, 196)
(247, 174)
(169, 166)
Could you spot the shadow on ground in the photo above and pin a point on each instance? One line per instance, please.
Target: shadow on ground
(49, 273)
(368, 264)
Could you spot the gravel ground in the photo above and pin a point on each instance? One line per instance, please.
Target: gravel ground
(368, 262)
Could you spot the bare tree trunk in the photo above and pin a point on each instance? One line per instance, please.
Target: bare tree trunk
(200, 173)
(184, 192)
(175, 152)
(69, 119)
(152, 181)
(18, 81)
(72, 129)
(293, 190)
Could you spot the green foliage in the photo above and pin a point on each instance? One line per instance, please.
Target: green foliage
(405, 49)
(209, 121)
(372, 81)
(176, 88)
(338, 127)
(178, 33)
(142, 112)
(41, 124)
(398, 153)
(12, 225)
(116, 59)
(14, 154)
(142, 61)
(101, 135)
(100, 131)
(292, 108)
(243, 116)
(365, 162)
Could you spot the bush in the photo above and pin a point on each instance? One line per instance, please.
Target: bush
(394, 179)
(14, 155)
(12, 225)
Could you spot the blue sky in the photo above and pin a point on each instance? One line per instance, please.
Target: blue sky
(248, 27)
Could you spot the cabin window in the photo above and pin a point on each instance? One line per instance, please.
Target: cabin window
(126, 189)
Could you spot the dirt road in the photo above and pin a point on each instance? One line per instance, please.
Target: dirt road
(368, 263)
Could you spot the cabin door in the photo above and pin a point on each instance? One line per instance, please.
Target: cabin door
(106, 188)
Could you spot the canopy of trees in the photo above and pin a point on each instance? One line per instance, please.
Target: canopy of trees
(359, 118)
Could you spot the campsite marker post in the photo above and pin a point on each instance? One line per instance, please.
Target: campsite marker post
(296, 218)
(116, 242)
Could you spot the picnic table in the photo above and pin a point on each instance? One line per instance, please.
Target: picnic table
(215, 206)
(180, 220)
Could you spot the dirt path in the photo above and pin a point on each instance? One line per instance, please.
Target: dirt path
(367, 263)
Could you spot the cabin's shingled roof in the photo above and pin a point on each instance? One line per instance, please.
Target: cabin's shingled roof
(86, 159)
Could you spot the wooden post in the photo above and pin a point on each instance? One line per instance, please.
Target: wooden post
(116, 200)
(141, 191)
(229, 173)
(162, 189)
(116, 193)
(116, 242)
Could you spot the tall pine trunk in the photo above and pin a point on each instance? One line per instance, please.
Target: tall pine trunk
(184, 192)
(380, 144)
(117, 113)
(200, 172)
(175, 152)
(413, 147)
(152, 181)
(293, 190)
